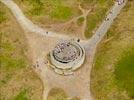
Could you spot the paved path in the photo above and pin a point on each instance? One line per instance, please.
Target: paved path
(77, 84)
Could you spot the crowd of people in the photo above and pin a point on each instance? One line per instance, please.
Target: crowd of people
(71, 54)
(120, 2)
(60, 47)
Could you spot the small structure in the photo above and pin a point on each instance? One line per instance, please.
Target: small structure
(66, 57)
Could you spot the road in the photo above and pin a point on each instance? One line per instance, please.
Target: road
(77, 84)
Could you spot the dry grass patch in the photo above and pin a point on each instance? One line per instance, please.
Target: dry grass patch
(57, 94)
(17, 79)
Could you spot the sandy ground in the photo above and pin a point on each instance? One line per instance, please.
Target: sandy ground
(74, 85)
(41, 44)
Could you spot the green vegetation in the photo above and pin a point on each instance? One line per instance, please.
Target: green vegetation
(80, 20)
(17, 79)
(61, 12)
(124, 72)
(2, 15)
(93, 20)
(57, 94)
(22, 95)
(86, 3)
(5, 79)
(52, 10)
(7, 56)
(76, 98)
(46, 12)
(112, 74)
(97, 15)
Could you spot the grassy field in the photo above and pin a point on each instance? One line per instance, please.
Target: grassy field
(47, 12)
(124, 72)
(17, 79)
(59, 94)
(110, 71)
(100, 8)
(113, 71)
(3, 16)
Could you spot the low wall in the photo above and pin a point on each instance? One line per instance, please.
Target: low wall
(68, 68)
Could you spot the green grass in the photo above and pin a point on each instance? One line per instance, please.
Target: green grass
(112, 73)
(93, 20)
(35, 7)
(90, 3)
(87, 3)
(22, 95)
(54, 10)
(124, 72)
(57, 94)
(16, 73)
(37, 10)
(5, 79)
(11, 63)
(80, 20)
(3, 16)
(8, 57)
(76, 98)
(61, 12)
(97, 15)
(13, 67)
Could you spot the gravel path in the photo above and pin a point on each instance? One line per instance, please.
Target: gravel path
(77, 84)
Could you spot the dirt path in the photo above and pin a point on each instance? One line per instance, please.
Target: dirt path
(72, 24)
(26, 24)
(105, 25)
(77, 84)
(85, 14)
(74, 85)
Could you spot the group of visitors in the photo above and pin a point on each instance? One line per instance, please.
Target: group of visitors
(69, 55)
(60, 47)
(120, 2)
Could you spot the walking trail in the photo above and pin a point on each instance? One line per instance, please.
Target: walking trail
(77, 84)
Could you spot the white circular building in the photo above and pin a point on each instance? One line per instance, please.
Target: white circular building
(66, 57)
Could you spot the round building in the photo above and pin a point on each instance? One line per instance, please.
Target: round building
(66, 57)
